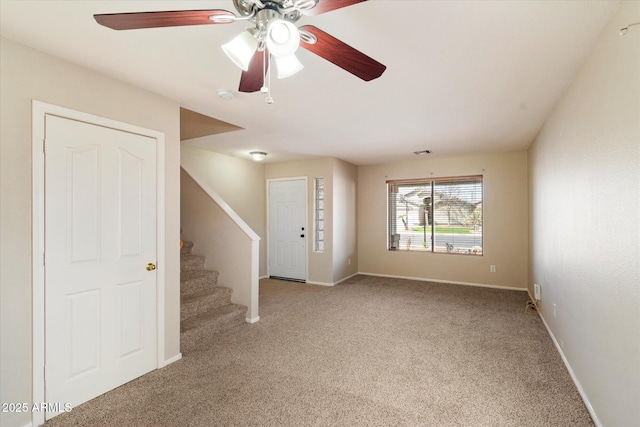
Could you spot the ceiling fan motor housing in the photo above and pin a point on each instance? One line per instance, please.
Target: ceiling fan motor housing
(269, 9)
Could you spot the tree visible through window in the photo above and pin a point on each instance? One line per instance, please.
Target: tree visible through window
(436, 215)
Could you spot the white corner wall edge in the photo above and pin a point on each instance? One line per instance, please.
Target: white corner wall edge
(426, 279)
(583, 394)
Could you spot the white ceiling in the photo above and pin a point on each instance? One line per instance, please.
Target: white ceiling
(462, 77)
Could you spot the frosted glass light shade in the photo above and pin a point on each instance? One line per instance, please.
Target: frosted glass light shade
(258, 155)
(283, 38)
(241, 49)
(288, 66)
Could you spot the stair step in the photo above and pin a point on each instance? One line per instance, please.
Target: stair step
(187, 248)
(215, 320)
(196, 304)
(191, 262)
(205, 308)
(196, 281)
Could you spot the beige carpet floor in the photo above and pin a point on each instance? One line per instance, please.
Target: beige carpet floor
(368, 352)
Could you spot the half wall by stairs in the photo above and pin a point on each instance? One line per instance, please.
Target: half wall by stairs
(221, 235)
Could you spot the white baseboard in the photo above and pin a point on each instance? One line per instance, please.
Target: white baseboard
(346, 278)
(252, 320)
(263, 277)
(171, 360)
(331, 284)
(29, 424)
(452, 282)
(309, 282)
(583, 394)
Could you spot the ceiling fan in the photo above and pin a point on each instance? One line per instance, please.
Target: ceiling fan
(272, 37)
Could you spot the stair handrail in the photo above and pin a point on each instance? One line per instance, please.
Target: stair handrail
(223, 205)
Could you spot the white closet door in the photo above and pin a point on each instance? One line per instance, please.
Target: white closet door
(100, 235)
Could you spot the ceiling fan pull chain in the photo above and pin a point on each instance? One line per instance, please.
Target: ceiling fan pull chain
(264, 88)
(269, 99)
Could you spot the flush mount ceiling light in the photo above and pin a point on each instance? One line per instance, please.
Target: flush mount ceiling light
(272, 34)
(225, 94)
(258, 155)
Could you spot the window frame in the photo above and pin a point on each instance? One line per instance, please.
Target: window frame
(393, 243)
(318, 243)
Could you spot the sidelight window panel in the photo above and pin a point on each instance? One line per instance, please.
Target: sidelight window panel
(318, 214)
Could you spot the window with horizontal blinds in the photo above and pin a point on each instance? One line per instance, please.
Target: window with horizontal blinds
(436, 215)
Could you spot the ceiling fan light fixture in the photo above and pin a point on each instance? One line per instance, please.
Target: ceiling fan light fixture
(283, 38)
(241, 48)
(271, 35)
(288, 66)
(258, 155)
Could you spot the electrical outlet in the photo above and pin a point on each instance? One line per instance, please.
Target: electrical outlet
(492, 268)
(555, 313)
(536, 292)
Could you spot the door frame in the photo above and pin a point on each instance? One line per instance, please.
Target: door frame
(306, 222)
(39, 112)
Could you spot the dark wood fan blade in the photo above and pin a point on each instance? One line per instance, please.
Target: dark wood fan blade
(329, 5)
(342, 55)
(253, 80)
(137, 20)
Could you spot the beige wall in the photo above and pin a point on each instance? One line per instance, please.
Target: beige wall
(26, 75)
(585, 228)
(241, 185)
(345, 250)
(319, 264)
(505, 220)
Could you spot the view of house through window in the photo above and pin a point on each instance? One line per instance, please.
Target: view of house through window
(436, 215)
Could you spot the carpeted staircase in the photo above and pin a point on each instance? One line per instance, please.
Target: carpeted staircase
(203, 304)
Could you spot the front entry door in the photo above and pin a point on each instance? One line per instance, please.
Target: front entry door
(287, 229)
(100, 234)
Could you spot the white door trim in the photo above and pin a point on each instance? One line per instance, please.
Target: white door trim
(306, 220)
(39, 111)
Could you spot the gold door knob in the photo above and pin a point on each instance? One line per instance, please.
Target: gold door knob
(151, 266)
